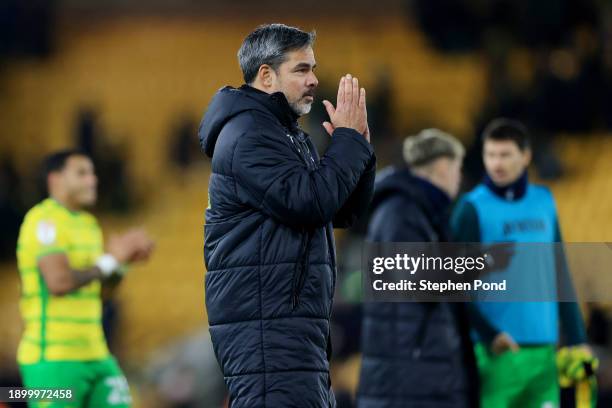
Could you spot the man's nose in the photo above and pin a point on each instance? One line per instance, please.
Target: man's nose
(312, 80)
(498, 166)
(494, 160)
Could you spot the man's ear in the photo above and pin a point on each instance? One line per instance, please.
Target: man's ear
(52, 179)
(527, 155)
(266, 76)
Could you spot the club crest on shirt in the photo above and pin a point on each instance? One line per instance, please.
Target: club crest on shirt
(46, 232)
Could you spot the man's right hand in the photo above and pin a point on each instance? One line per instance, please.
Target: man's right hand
(131, 246)
(504, 342)
(350, 111)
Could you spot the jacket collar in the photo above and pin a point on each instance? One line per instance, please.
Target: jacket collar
(438, 200)
(277, 104)
(434, 202)
(513, 191)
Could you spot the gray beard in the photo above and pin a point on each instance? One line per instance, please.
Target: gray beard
(300, 109)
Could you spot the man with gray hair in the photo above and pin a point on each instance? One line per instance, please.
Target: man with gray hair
(269, 247)
(437, 156)
(417, 354)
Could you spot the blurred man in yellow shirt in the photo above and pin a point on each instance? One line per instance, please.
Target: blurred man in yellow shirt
(63, 266)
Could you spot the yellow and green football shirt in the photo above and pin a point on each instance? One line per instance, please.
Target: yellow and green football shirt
(68, 327)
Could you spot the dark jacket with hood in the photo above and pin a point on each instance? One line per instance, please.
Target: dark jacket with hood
(414, 354)
(269, 247)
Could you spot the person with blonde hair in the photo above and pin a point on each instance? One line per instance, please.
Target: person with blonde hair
(417, 354)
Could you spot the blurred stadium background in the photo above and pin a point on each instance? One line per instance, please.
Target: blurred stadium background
(128, 81)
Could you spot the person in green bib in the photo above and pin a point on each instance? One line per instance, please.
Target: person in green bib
(506, 208)
(64, 266)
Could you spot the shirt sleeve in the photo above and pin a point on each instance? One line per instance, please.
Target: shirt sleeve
(49, 236)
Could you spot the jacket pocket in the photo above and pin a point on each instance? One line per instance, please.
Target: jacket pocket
(300, 270)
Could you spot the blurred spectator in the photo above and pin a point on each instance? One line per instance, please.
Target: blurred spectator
(87, 130)
(410, 348)
(505, 197)
(184, 148)
(451, 25)
(567, 88)
(380, 103)
(113, 180)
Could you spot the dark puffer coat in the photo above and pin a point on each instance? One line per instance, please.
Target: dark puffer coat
(416, 355)
(269, 247)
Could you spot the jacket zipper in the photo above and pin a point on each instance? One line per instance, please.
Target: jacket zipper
(302, 264)
(308, 153)
(303, 150)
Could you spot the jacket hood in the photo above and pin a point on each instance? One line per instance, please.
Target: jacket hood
(228, 102)
(392, 181)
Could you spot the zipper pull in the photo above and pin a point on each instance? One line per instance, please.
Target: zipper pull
(294, 301)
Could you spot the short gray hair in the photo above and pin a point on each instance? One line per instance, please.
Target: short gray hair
(269, 44)
(429, 145)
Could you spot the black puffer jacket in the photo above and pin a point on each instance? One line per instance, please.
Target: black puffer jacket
(269, 247)
(416, 355)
